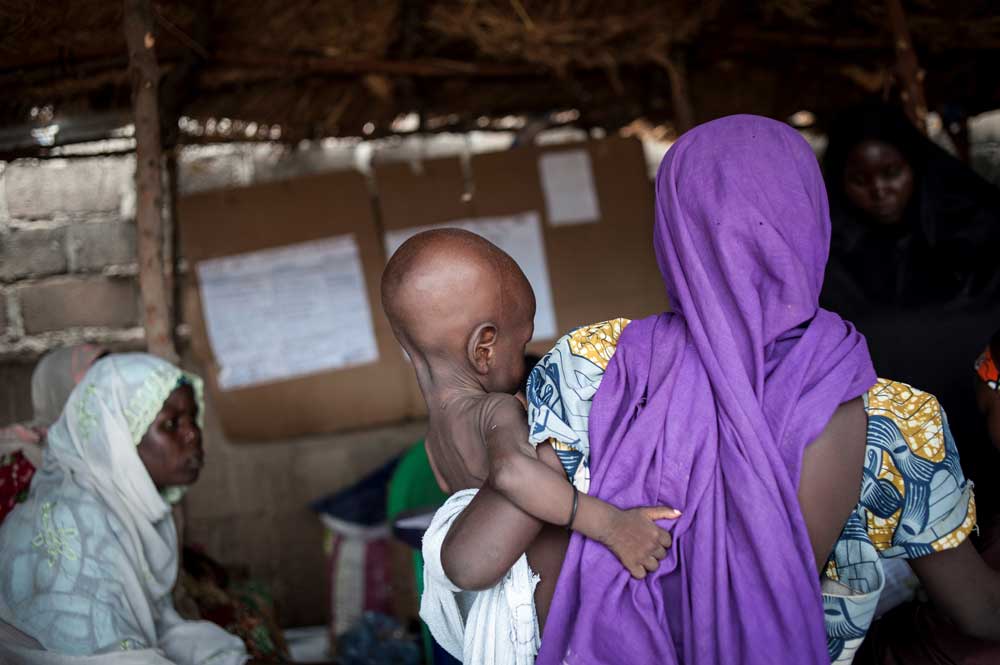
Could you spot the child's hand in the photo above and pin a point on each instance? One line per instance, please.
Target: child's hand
(636, 540)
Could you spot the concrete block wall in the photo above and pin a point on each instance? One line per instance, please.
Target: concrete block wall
(67, 265)
(67, 255)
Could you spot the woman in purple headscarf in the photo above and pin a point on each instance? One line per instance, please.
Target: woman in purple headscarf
(759, 416)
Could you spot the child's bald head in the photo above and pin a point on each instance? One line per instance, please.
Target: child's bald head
(452, 294)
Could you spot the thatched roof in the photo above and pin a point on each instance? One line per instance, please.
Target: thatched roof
(339, 68)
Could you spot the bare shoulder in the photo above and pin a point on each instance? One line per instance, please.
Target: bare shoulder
(456, 444)
(503, 412)
(505, 427)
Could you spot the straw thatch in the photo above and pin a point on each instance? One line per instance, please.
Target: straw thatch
(349, 67)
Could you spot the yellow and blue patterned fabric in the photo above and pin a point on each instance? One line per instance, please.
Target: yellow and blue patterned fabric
(560, 390)
(914, 498)
(915, 501)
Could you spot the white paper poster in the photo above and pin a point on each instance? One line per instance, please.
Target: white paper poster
(521, 237)
(285, 312)
(568, 185)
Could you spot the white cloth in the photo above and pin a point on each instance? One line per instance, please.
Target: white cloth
(901, 585)
(496, 626)
(88, 561)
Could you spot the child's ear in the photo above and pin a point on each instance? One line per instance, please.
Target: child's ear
(482, 346)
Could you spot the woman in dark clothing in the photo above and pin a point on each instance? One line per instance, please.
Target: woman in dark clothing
(915, 264)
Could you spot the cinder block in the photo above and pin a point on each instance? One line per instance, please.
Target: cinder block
(72, 302)
(97, 245)
(32, 253)
(284, 165)
(37, 190)
(199, 173)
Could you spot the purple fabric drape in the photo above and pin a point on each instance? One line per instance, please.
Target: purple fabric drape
(709, 409)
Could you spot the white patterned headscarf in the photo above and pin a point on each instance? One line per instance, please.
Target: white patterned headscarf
(88, 562)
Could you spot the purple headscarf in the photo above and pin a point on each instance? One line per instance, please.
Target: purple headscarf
(709, 410)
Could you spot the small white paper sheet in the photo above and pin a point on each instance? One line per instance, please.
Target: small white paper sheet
(280, 313)
(568, 185)
(518, 235)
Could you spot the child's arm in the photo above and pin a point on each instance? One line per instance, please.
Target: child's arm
(486, 540)
(537, 489)
(492, 534)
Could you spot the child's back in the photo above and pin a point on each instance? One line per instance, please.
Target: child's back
(456, 448)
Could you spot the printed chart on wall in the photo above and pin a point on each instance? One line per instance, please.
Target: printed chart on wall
(518, 235)
(568, 186)
(289, 311)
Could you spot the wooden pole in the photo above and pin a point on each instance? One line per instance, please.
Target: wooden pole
(958, 131)
(683, 109)
(145, 76)
(171, 233)
(908, 71)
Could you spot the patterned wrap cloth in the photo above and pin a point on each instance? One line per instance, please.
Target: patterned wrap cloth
(986, 370)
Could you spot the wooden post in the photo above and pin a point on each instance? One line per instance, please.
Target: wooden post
(956, 125)
(910, 76)
(676, 72)
(171, 233)
(145, 76)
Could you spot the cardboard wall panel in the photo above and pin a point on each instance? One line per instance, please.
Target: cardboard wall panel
(597, 270)
(235, 221)
(430, 192)
(434, 192)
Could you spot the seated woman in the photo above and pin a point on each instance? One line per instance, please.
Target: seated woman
(88, 561)
(913, 264)
(758, 415)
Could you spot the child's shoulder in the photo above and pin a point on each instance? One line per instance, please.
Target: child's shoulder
(503, 410)
(468, 423)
